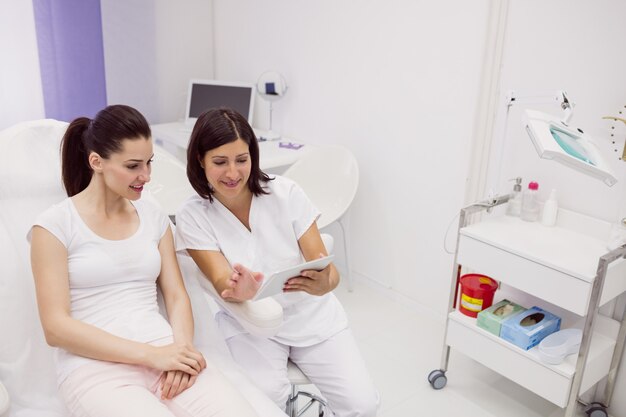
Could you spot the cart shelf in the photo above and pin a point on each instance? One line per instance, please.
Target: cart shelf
(553, 382)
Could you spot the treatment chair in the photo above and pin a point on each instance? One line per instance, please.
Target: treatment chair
(30, 182)
(329, 175)
(297, 378)
(262, 318)
(168, 184)
(4, 400)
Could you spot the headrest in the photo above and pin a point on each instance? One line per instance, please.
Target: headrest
(30, 159)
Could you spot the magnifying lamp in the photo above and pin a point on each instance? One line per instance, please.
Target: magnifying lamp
(554, 139)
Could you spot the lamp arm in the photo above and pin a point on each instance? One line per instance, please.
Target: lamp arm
(510, 99)
(513, 97)
(568, 109)
(558, 96)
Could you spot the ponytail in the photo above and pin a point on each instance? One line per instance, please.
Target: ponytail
(75, 169)
(103, 135)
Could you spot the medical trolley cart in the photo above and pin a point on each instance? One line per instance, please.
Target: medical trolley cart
(567, 266)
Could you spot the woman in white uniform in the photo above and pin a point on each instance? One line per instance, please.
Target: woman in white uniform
(244, 224)
(97, 258)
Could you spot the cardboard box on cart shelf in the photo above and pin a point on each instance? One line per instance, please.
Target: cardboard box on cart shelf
(491, 318)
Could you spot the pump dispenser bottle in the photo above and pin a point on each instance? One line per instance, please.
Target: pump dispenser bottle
(530, 205)
(514, 207)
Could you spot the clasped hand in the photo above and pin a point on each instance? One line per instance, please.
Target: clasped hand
(181, 363)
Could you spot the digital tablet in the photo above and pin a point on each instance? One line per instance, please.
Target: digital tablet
(275, 283)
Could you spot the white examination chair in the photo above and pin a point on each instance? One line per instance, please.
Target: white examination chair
(30, 182)
(329, 175)
(4, 400)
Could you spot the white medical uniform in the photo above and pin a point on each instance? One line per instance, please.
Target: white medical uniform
(277, 220)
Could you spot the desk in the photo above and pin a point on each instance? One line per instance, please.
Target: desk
(174, 137)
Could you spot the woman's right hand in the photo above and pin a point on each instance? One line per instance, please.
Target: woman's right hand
(175, 382)
(243, 284)
(176, 357)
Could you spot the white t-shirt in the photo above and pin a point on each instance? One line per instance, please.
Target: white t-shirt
(112, 282)
(277, 221)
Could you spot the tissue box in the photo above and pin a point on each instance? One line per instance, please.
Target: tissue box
(527, 328)
(491, 318)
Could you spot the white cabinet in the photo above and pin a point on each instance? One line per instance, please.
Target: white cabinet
(567, 266)
(556, 264)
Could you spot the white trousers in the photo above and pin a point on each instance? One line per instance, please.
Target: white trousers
(106, 389)
(334, 366)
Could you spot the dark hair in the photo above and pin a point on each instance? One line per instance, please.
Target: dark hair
(214, 128)
(103, 135)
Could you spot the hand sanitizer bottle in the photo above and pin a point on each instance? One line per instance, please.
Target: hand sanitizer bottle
(530, 205)
(550, 210)
(514, 207)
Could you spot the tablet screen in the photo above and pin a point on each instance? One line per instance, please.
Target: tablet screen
(275, 283)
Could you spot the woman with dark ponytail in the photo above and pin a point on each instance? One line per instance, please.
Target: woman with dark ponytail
(97, 259)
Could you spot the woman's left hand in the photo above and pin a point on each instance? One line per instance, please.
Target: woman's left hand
(175, 382)
(243, 284)
(312, 282)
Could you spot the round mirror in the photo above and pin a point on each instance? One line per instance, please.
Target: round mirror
(271, 85)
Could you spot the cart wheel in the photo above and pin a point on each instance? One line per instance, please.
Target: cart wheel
(596, 410)
(438, 380)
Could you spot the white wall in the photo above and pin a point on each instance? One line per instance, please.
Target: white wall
(396, 82)
(21, 97)
(152, 49)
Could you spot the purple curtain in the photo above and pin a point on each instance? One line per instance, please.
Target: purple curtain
(71, 57)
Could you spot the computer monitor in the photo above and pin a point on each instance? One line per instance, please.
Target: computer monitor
(205, 94)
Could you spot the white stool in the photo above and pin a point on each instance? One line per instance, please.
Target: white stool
(4, 399)
(297, 377)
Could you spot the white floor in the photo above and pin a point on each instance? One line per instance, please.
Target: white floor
(401, 348)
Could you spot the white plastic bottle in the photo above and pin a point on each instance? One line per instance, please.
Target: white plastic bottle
(550, 210)
(514, 206)
(530, 205)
